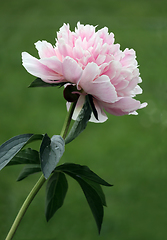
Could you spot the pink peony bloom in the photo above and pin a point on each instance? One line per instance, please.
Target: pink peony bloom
(91, 61)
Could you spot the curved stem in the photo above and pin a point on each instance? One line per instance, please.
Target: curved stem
(24, 207)
(40, 182)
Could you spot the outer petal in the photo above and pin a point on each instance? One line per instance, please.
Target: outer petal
(124, 106)
(101, 87)
(79, 105)
(129, 59)
(101, 115)
(45, 49)
(36, 68)
(71, 70)
(53, 63)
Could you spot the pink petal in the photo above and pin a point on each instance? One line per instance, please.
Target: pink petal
(129, 58)
(113, 71)
(124, 106)
(64, 48)
(100, 59)
(53, 63)
(36, 68)
(78, 52)
(137, 90)
(45, 49)
(143, 105)
(132, 84)
(123, 84)
(103, 90)
(101, 87)
(71, 70)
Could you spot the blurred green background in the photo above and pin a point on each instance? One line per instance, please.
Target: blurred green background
(129, 151)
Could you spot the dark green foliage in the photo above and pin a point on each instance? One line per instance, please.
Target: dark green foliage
(39, 83)
(134, 152)
(25, 156)
(92, 106)
(90, 184)
(82, 171)
(80, 123)
(10, 148)
(28, 170)
(56, 190)
(93, 199)
(51, 151)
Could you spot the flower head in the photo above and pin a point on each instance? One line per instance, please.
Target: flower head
(94, 64)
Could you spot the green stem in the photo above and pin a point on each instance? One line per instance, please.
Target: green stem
(40, 182)
(68, 120)
(24, 207)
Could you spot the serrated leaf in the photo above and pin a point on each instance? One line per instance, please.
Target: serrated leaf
(39, 83)
(56, 190)
(10, 148)
(93, 200)
(26, 156)
(28, 170)
(81, 122)
(51, 151)
(82, 171)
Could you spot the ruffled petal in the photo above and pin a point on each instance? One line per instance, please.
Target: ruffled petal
(53, 63)
(45, 49)
(36, 68)
(71, 70)
(103, 90)
(100, 87)
(123, 106)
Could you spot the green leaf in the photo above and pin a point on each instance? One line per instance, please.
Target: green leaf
(98, 190)
(81, 122)
(39, 83)
(93, 200)
(82, 171)
(51, 151)
(10, 148)
(56, 190)
(28, 170)
(26, 156)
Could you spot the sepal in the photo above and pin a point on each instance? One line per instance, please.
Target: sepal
(39, 83)
(92, 106)
(81, 122)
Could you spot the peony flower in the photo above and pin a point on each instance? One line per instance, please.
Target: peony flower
(92, 62)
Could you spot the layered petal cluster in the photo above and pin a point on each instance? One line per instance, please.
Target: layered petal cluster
(92, 61)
